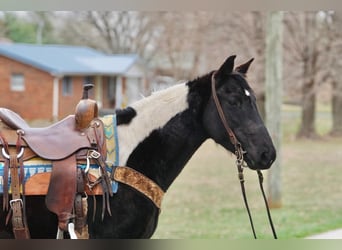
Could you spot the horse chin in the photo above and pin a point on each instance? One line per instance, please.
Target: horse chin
(250, 163)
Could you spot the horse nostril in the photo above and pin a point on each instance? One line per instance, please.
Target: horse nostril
(264, 155)
(267, 158)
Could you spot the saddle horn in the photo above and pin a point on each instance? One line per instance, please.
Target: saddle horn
(86, 88)
(86, 109)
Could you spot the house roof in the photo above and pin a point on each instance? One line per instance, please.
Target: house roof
(62, 60)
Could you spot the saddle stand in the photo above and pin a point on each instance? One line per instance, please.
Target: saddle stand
(66, 195)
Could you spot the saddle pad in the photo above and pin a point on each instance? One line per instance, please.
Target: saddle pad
(38, 166)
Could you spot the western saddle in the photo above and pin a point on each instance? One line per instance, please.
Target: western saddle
(67, 184)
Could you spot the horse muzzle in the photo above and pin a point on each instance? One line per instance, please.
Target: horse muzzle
(260, 160)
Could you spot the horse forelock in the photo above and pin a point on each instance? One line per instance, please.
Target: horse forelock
(152, 113)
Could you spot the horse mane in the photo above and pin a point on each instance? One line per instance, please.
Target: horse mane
(125, 116)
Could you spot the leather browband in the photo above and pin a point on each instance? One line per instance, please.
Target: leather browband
(139, 182)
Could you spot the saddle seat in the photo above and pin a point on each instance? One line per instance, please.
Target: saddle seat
(54, 142)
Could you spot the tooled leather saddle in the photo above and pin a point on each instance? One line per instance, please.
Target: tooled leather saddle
(77, 139)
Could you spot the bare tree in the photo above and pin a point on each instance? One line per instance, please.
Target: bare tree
(114, 31)
(245, 32)
(204, 39)
(178, 44)
(306, 54)
(182, 43)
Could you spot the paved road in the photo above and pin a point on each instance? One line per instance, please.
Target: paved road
(334, 234)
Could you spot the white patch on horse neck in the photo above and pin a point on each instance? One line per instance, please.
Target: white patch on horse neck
(152, 112)
(247, 93)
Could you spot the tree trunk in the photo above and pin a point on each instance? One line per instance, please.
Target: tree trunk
(307, 128)
(273, 83)
(336, 109)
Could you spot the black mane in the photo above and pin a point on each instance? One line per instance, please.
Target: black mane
(199, 93)
(125, 116)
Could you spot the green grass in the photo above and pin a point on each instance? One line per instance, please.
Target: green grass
(205, 200)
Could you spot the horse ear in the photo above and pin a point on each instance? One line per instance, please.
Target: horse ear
(227, 67)
(243, 68)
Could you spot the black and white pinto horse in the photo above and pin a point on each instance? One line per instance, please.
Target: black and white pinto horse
(157, 137)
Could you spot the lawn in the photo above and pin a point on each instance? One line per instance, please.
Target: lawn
(205, 200)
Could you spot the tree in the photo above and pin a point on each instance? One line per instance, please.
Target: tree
(28, 27)
(113, 31)
(178, 44)
(18, 30)
(307, 55)
(182, 43)
(43, 26)
(248, 30)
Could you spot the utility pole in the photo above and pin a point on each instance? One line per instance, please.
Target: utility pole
(273, 86)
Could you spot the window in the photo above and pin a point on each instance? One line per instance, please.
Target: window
(67, 86)
(111, 90)
(88, 79)
(17, 82)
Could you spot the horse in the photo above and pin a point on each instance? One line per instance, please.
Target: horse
(157, 136)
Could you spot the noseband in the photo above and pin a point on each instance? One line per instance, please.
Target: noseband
(239, 152)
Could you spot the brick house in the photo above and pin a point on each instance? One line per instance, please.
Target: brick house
(44, 82)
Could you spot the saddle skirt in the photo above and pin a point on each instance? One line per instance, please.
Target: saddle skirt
(38, 170)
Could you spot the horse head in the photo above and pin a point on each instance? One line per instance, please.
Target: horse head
(239, 108)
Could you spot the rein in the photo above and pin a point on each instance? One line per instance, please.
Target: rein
(239, 152)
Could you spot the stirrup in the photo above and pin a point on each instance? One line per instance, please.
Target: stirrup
(71, 231)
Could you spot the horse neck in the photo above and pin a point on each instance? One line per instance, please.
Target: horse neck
(163, 136)
(152, 113)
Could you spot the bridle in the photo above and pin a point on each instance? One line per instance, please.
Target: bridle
(239, 152)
